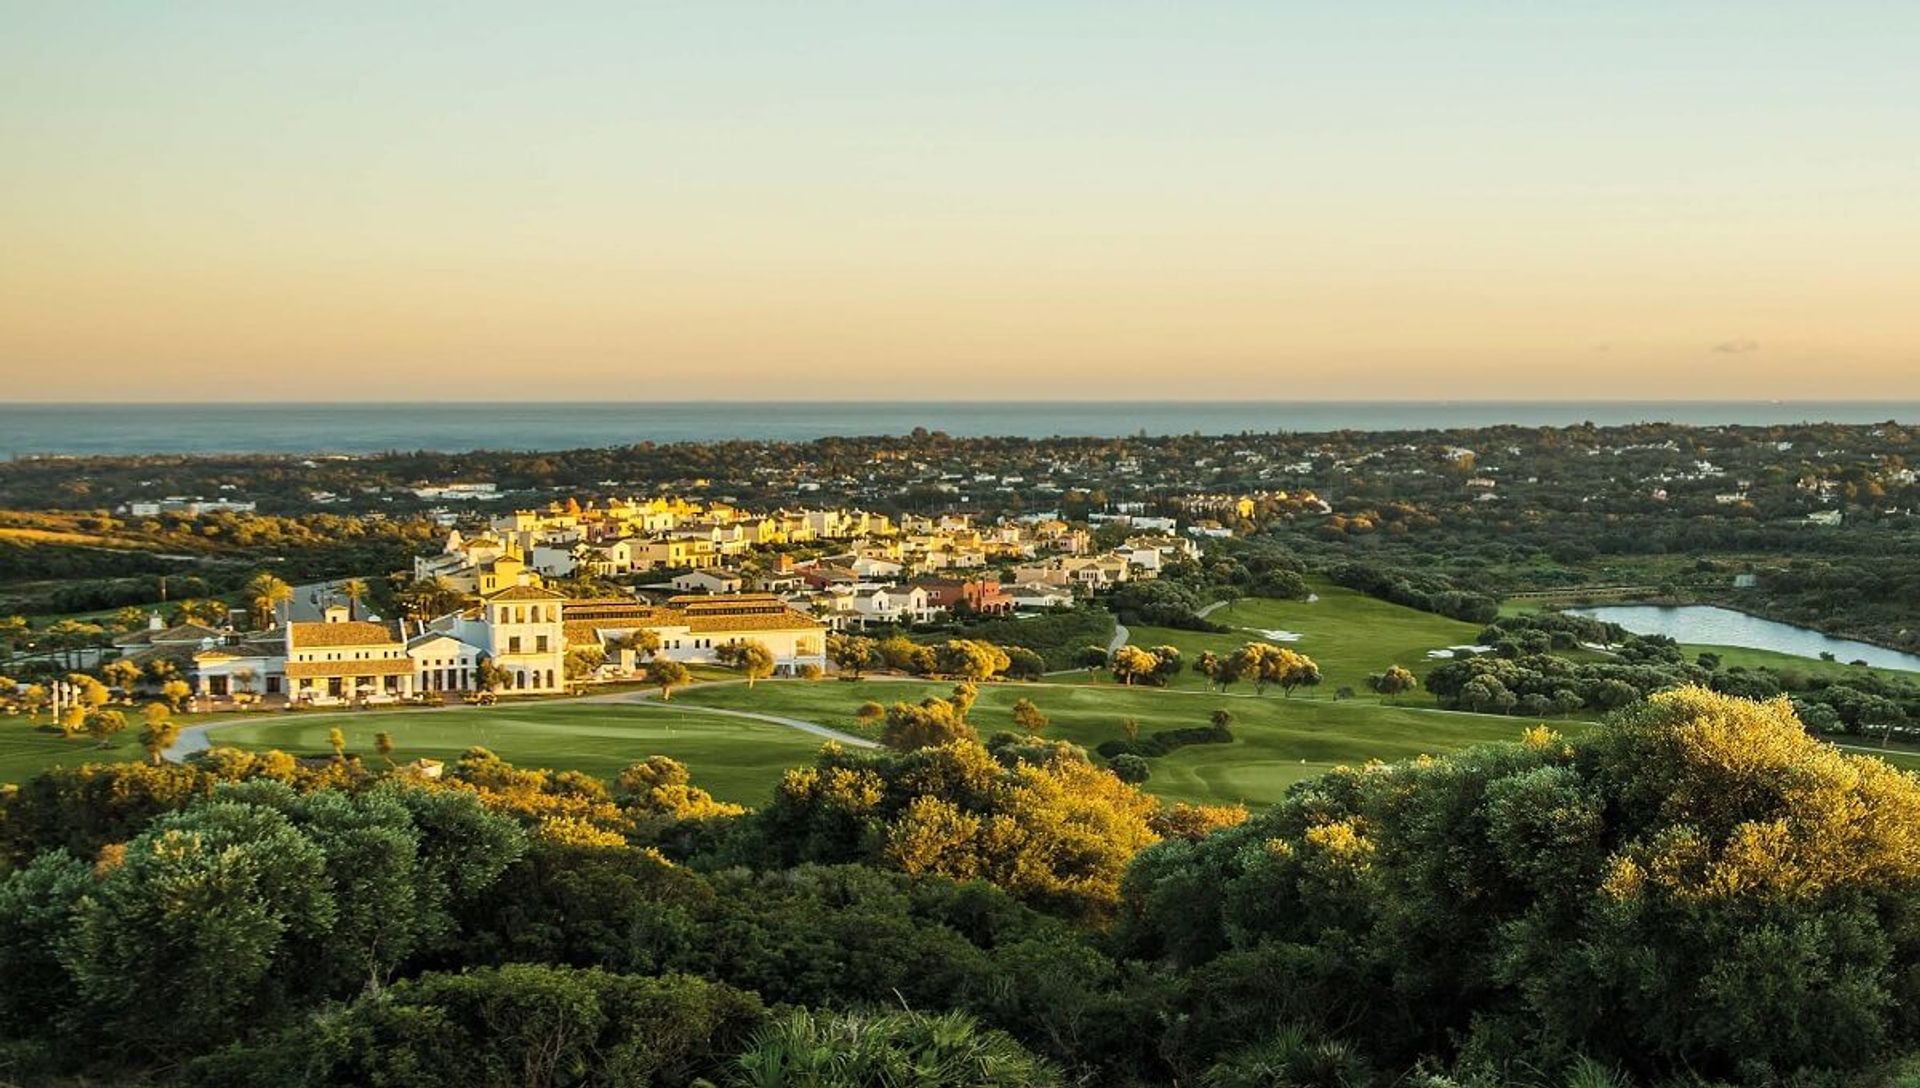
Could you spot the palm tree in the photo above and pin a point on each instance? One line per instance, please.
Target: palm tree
(353, 589)
(266, 594)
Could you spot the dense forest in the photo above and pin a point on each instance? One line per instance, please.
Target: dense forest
(1696, 892)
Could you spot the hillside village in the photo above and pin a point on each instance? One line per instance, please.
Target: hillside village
(673, 579)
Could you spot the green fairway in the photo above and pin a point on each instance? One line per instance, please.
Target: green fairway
(1772, 659)
(1347, 633)
(27, 749)
(1277, 742)
(736, 759)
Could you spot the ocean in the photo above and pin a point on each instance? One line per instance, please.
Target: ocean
(82, 429)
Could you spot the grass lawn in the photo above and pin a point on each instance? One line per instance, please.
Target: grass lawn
(1812, 666)
(1278, 741)
(27, 749)
(1348, 634)
(736, 759)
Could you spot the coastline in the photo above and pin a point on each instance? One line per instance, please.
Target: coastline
(239, 429)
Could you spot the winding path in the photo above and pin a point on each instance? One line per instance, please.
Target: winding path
(802, 725)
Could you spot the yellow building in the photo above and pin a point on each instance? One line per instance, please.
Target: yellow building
(339, 660)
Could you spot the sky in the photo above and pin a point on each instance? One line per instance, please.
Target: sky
(1032, 200)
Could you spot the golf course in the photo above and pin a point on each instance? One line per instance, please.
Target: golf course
(1276, 740)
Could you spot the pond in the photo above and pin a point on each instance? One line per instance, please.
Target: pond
(1702, 624)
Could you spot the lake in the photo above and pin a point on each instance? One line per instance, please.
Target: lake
(1702, 624)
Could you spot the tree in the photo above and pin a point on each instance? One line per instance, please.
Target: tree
(175, 692)
(965, 694)
(1166, 664)
(1130, 768)
(666, 674)
(201, 610)
(262, 901)
(1024, 664)
(948, 1050)
(644, 642)
(1130, 663)
(1295, 670)
(1208, 665)
(931, 723)
(1613, 694)
(176, 947)
(121, 673)
(265, 594)
(92, 692)
(582, 662)
(902, 654)
(1685, 891)
(1268, 664)
(71, 636)
(159, 732)
(852, 654)
(969, 659)
(491, 677)
(337, 741)
(1028, 716)
(1050, 828)
(383, 744)
(754, 660)
(354, 590)
(520, 1024)
(428, 598)
(104, 725)
(1392, 683)
(13, 632)
(1487, 695)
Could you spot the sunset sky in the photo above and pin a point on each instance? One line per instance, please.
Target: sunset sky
(257, 201)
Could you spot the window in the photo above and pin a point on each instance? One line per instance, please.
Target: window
(540, 644)
(513, 645)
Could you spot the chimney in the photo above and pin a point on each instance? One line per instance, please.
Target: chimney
(335, 613)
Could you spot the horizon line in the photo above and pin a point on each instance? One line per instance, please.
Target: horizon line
(950, 401)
